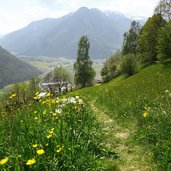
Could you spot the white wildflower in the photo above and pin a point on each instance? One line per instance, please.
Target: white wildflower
(71, 100)
(80, 101)
(59, 111)
(57, 100)
(77, 97)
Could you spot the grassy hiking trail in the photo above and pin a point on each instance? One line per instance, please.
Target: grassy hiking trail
(132, 157)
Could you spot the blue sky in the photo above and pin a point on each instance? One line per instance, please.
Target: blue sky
(15, 14)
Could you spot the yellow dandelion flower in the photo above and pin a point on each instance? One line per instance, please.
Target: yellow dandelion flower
(3, 161)
(170, 94)
(59, 149)
(52, 129)
(48, 94)
(36, 118)
(40, 152)
(31, 162)
(145, 114)
(49, 136)
(46, 144)
(35, 145)
(54, 114)
(44, 112)
(37, 93)
(35, 111)
(51, 132)
(12, 95)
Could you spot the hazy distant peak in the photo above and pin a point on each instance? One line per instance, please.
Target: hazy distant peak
(83, 9)
(87, 10)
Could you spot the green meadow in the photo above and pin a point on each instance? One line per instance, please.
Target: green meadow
(121, 125)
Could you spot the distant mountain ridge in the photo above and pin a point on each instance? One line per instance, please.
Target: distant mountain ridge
(13, 70)
(59, 37)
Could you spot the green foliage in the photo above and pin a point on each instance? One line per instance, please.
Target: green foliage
(164, 42)
(84, 73)
(130, 39)
(147, 40)
(163, 8)
(109, 70)
(64, 129)
(20, 93)
(59, 74)
(33, 85)
(128, 64)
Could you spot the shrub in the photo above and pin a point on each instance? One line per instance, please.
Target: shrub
(128, 64)
(110, 67)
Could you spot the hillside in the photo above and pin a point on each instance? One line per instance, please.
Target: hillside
(135, 115)
(123, 125)
(13, 70)
(59, 37)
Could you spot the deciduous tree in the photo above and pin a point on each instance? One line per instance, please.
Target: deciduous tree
(164, 42)
(147, 40)
(164, 8)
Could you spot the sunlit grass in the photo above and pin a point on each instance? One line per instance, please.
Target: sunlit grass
(142, 100)
(49, 134)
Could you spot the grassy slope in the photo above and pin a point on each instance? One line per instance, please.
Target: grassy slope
(144, 87)
(124, 101)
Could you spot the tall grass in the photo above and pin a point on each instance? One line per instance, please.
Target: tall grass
(145, 100)
(50, 134)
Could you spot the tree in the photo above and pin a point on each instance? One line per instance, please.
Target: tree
(130, 39)
(60, 74)
(109, 70)
(84, 73)
(164, 8)
(128, 65)
(60, 77)
(164, 42)
(147, 40)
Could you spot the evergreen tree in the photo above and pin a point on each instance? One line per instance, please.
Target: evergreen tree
(84, 73)
(130, 39)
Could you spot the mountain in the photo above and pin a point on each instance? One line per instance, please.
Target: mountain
(13, 70)
(59, 37)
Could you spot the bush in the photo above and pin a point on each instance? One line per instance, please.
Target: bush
(110, 67)
(128, 65)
